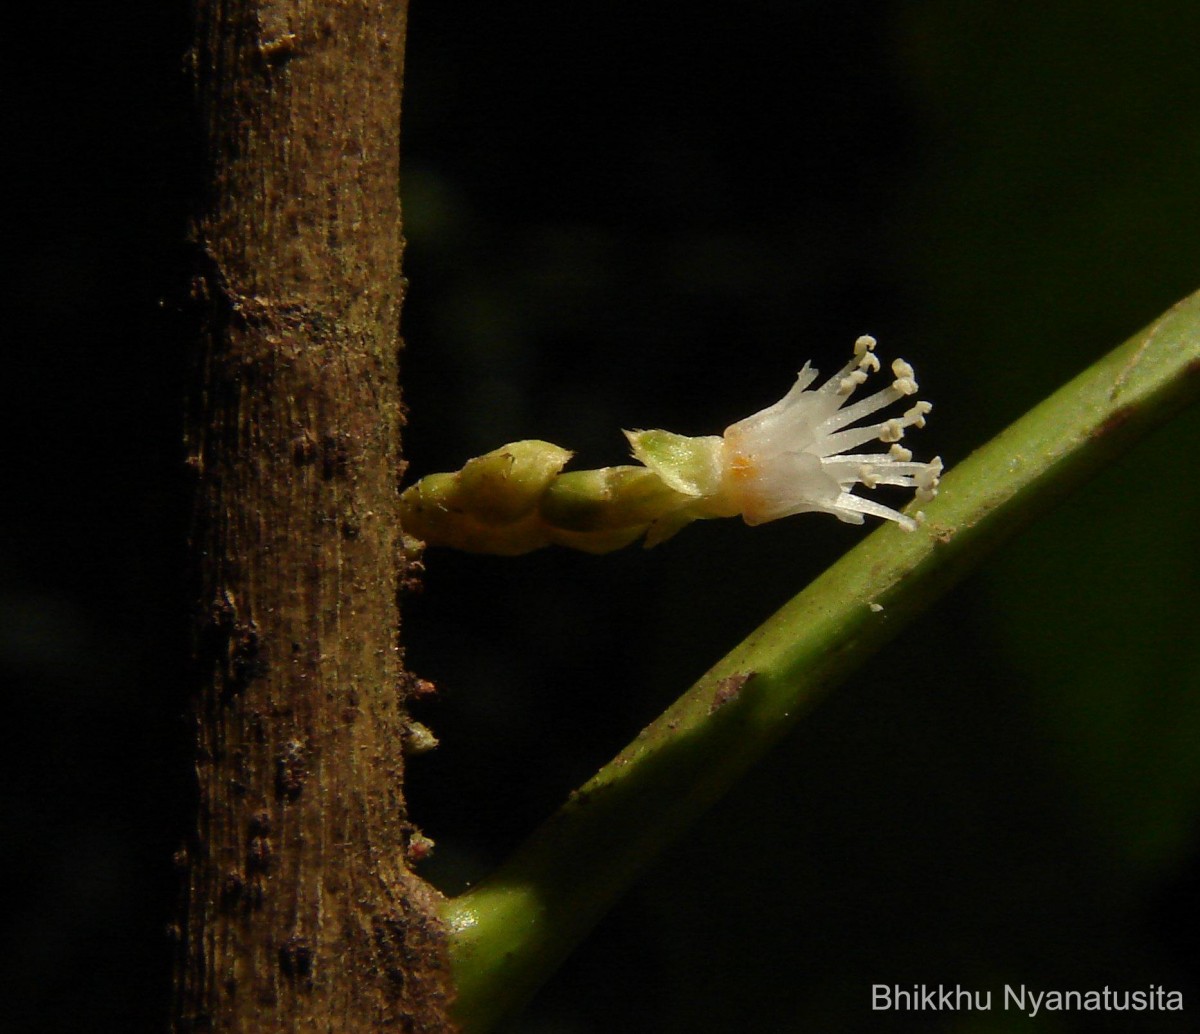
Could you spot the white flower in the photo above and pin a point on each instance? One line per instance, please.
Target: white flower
(792, 457)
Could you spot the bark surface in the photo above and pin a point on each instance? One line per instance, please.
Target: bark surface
(300, 911)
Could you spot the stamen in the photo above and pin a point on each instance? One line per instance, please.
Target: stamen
(851, 381)
(927, 479)
(864, 407)
(916, 415)
(851, 438)
(905, 375)
(857, 505)
(869, 362)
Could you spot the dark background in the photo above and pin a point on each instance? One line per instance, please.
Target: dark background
(651, 215)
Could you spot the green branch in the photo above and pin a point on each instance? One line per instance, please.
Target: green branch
(510, 932)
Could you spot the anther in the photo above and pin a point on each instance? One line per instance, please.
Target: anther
(905, 381)
(851, 381)
(916, 415)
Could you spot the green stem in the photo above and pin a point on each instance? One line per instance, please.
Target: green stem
(511, 931)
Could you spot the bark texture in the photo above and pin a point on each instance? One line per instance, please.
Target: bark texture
(300, 911)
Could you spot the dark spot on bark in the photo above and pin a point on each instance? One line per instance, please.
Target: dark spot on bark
(291, 771)
(239, 773)
(247, 658)
(729, 689)
(258, 854)
(304, 450)
(349, 530)
(232, 889)
(277, 52)
(258, 727)
(335, 456)
(295, 957)
(229, 647)
(256, 894)
(388, 933)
